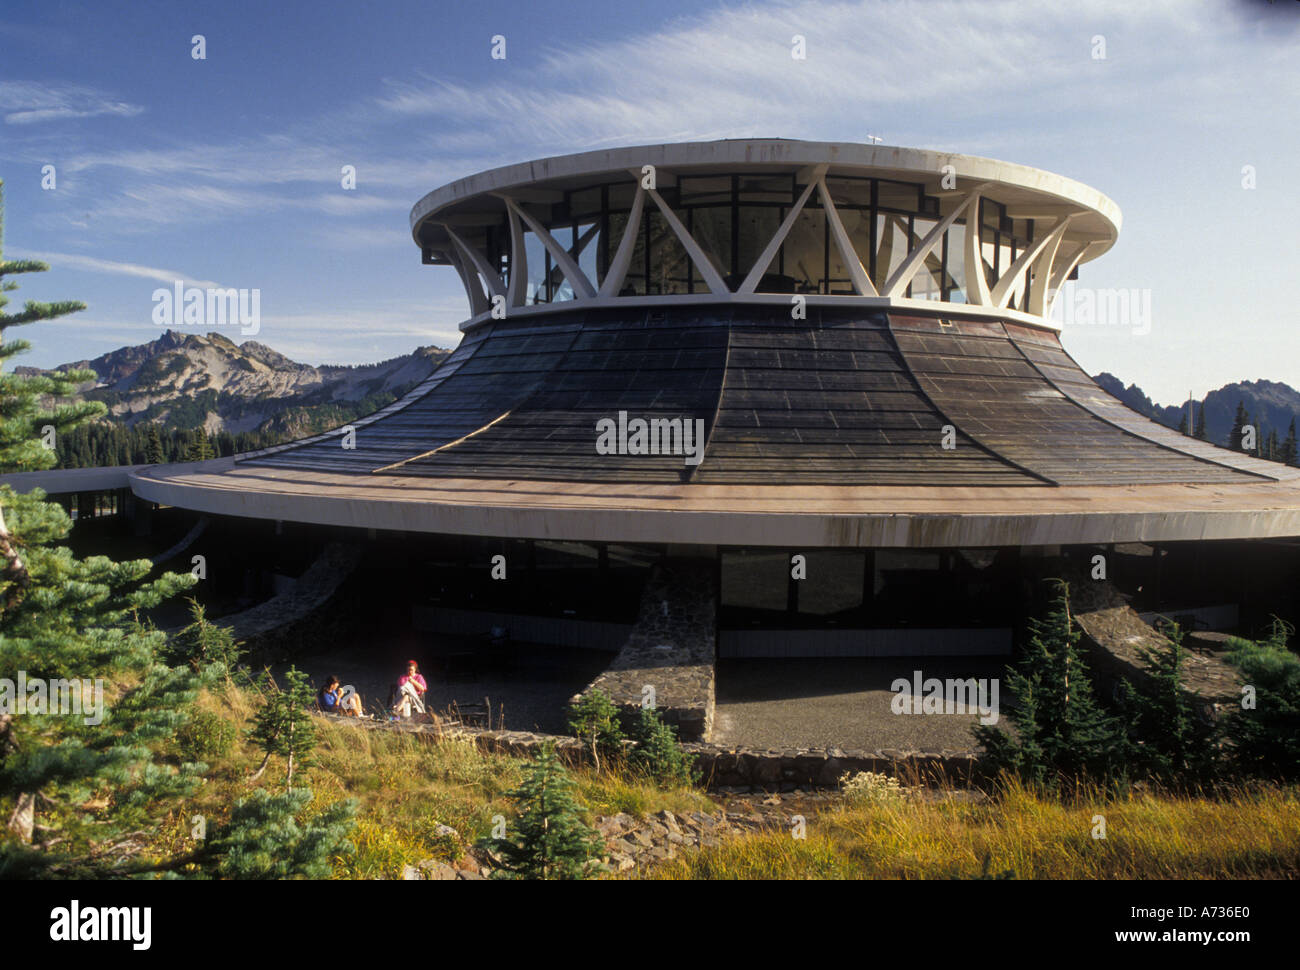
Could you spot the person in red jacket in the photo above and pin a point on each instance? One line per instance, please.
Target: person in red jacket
(411, 689)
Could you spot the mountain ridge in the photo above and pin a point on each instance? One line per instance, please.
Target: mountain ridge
(1272, 405)
(186, 380)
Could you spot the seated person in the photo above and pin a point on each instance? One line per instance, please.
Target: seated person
(411, 689)
(331, 700)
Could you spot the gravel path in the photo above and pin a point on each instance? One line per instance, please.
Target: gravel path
(844, 703)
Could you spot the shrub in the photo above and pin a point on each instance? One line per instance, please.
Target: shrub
(1061, 732)
(870, 788)
(205, 737)
(552, 842)
(658, 753)
(594, 719)
(204, 643)
(1170, 742)
(1265, 739)
(276, 837)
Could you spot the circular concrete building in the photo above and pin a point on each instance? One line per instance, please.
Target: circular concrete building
(739, 400)
(759, 343)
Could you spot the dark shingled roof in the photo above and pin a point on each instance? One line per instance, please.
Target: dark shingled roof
(846, 397)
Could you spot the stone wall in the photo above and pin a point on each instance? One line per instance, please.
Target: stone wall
(310, 592)
(671, 648)
(1114, 635)
(734, 769)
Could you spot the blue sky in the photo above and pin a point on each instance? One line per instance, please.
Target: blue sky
(226, 171)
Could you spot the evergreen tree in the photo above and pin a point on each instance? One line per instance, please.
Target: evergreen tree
(1062, 734)
(553, 842)
(153, 453)
(1182, 424)
(1239, 422)
(1273, 448)
(283, 726)
(1170, 741)
(658, 753)
(75, 781)
(203, 643)
(265, 839)
(1287, 454)
(1201, 431)
(594, 719)
(1263, 730)
(200, 446)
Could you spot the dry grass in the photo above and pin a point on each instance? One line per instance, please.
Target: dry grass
(1248, 833)
(406, 784)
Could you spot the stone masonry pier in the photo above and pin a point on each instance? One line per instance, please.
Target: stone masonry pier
(671, 649)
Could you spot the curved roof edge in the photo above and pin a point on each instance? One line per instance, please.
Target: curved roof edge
(771, 151)
(814, 517)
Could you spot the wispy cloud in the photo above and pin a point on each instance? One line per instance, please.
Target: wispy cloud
(30, 102)
(363, 335)
(928, 73)
(94, 264)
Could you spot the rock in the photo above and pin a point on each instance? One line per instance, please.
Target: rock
(431, 869)
(608, 825)
(669, 821)
(445, 831)
(410, 872)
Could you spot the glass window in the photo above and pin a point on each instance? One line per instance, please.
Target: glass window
(857, 224)
(849, 192)
(891, 246)
(634, 281)
(926, 281)
(621, 195)
(771, 189)
(834, 582)
(709, 190)
(668, 266)
(711, 228)
(584, 203)
(954, 280)
(535, 253)
(757, 580)
(801, 264)
(899, 196)
(758, 224)
(588, 246)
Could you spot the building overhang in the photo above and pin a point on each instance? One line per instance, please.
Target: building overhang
(772, 516)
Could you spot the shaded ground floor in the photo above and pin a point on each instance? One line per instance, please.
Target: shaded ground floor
(807, 642)
(840, 702)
